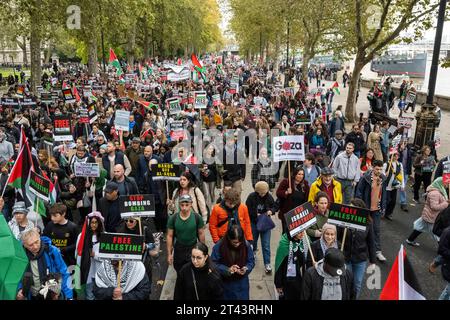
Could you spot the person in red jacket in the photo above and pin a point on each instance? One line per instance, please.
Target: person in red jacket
(230, 210)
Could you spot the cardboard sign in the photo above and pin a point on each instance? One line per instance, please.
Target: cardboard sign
(200, 100)
(288, 148)
(166, 171)
(62, 128)
(83, 115)
(216, 100)
(410, 97)
(392, 129)
(92, 114)
(121, 91)
(300, 218)
(122, 120)
(140, 205)
(86, 169)
(39, 186)
(405, 122)
(396, 141)
(174, 105)
(68, 96)
(348, 216)
(119, 246)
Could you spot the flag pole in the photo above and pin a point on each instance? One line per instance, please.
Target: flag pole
(343, 239)
(310, 249)
(119, 274)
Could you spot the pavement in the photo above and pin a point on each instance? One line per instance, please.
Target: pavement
(394, 233)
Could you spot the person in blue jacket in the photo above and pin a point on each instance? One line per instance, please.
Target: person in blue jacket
(46, 266)
(233, 257)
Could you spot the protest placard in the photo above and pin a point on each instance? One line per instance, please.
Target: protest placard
(28, 102)
(139, 205)
(177, 130)
(405, 122)
(83, 115)
(68, 96)
(303, 117)
(166, 171)
(122, 120)
(216, 100)
(174, 105)
(300, 218)
(62, 128)
(86, 169)
(92, 113)
(348, 216)
(46, 98)
(288, 148)
(446, 172)
(119, 246)
(392, 129)
(410, 97)
(200, 100)
(10, 102)
(39, 186)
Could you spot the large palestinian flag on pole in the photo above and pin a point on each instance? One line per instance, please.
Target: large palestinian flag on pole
(115, 62)
(402, 283)
(21, 171)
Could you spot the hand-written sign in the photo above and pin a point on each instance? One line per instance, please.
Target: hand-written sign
(62, 128)
(300, 218)
(405, 122)
(140, 205)
(86, 169)
(348, 216)
(166, 171)
(119, 246)
(39, 186)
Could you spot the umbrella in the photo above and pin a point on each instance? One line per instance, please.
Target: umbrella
(13, 262)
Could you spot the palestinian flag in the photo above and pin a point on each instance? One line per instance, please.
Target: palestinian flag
(147, 105)
(75, 93)
(23, 138)
(402, 283)
(115, 62)
(335, 88)
(20, 172)
(198, 67)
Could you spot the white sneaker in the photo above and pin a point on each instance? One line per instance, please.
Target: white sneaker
(268, 268)
(380, 256)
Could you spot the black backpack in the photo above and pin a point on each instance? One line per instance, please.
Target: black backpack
(442, 222)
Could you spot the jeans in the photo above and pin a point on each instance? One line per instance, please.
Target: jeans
(90, 290)
(210, 192)
(358, 270)
(376, 216)
(445, 295)
(418, 179)
(265, 243)
(347, 190)
(391, 201)
(278, 114)
(402, 194)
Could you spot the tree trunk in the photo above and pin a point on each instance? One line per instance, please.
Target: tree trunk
(276, 67)
(131, 45)
(92, 56)
(146, 43)
(48, 54)
(305, 62)
(267, 53)
(35, 51)
(24, 50)
(350, 107)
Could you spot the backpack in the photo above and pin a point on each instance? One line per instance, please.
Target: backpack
(442, 222)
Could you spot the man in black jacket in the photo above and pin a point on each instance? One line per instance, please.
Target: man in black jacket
(127, 185)
(233, 170)
(444, 251)
(109, 207)
(322, 281)
(358, 139)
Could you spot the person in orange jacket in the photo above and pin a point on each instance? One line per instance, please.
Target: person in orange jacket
(230, 210)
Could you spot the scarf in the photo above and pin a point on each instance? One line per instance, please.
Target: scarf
(132, 273)
(14, 226)
(331, 289)
(323, 245)
(439, 185)
(286, 245)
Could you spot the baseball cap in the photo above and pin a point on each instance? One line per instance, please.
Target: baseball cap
(111, 186)
(327, 171)
(136, 139)
(335, 262)
(185, 198)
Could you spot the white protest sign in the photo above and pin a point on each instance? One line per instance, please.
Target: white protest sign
(405, 122)
(200, 100)
(122, 120)
(86, 169)
(288, 148)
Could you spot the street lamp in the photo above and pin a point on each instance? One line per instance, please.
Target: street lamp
(427, 119)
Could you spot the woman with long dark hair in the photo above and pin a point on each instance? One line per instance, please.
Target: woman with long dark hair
(198, 279)
(366, 161)
(87, 249)
(291, 196)
(233, 256)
